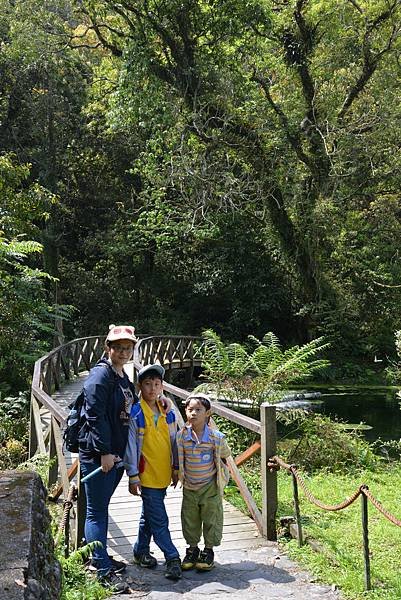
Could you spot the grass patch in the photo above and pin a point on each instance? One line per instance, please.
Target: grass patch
(340, 533)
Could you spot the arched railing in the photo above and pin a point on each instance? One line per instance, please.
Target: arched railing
(171, 351)
(47, 418)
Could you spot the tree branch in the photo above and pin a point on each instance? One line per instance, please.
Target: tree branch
(96, 28)
(370, 60)
(356, 5)
(293, 139)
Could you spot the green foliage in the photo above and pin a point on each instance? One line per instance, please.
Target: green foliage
(39, 463)
(321, 443)
(77, 584)
(238, 438)
(261, 372)
(14, 418)
(258, 113)
(394, 370)
(233, 168)
(25, 314)
(312, 442)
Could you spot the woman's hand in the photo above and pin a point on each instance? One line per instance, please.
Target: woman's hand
(166, 403)
(107, 462)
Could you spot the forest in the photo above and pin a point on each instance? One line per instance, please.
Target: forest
(188, 164)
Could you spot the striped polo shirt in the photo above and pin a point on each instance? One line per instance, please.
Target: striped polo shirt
(199, 464)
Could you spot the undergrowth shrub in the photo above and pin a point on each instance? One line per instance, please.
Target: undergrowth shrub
(238, 438)
(316, 443)
(322, 443)
(77, 584)
(14, 419)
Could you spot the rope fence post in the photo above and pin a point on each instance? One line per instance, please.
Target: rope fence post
(365, 534)
(296, 509)
(268, 439)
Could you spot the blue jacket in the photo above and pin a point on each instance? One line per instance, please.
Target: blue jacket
(106, 421)
(135, 442)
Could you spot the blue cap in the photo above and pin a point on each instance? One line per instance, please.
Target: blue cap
(145, 371)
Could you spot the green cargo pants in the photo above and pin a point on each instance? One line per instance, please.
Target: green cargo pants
(203, 507)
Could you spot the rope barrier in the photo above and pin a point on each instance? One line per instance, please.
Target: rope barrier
(363, 489)
(67, 505)
(380, 508)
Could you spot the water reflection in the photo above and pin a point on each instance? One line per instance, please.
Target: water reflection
(377, 407)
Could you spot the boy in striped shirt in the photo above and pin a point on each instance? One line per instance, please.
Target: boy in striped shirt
(202, 470)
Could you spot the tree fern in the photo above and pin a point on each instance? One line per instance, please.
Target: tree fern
(262, 373)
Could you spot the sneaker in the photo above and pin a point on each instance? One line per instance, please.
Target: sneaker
(190, 558)
(205, 561)
(145, 560)
(114, 583)
(118, 566)
(173, 569)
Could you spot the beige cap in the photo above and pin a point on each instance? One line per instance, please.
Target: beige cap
(121, 332)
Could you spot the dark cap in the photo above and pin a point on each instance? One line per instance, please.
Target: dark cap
(149, 371)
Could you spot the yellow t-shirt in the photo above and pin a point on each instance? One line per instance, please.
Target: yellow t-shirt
(156, 451)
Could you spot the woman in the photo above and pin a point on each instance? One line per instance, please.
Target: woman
(109, 396)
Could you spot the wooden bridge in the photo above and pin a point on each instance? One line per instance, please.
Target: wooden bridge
(57, 379)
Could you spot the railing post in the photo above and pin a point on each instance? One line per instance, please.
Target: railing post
(53, 459)
(76, 355)
(268, 439)
(365, 533)
(33, 437)
(296, 510)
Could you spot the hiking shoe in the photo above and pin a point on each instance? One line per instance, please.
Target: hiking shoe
(118, 566)
(173, 569)
(190, 558)
(205, 561)
(145, 560)
(113, 582)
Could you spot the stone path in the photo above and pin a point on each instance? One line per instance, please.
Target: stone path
(259, 573)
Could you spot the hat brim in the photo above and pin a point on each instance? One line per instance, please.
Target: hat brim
(148, 368)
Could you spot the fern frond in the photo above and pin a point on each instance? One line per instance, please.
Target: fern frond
(270, 339)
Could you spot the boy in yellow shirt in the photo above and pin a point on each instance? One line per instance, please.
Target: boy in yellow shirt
(151, 461)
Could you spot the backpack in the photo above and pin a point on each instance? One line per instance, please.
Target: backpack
(74, 423)
(76, 420)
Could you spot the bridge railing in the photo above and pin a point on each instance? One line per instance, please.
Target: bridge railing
(173, 352)
(47, 418)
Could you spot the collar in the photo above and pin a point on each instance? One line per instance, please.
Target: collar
(205, 434)
(146, 408)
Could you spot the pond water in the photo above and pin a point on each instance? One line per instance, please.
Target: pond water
(378, 407)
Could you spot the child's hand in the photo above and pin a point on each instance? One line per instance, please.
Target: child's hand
(174, 479)
(135, 489)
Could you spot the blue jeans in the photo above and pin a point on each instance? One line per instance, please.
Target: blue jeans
(99, 490)
(154, 522)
